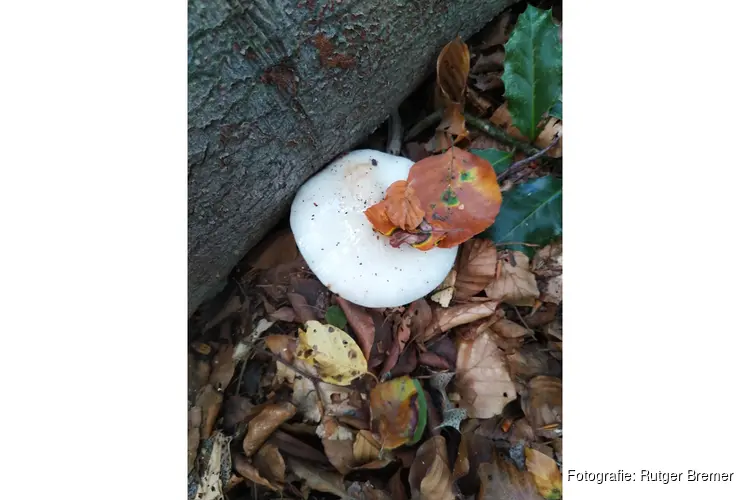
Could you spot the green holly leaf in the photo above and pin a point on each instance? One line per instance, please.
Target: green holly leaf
(556, 110)
(500, 160)
(530, 213)
(335, 316)
(533, 69)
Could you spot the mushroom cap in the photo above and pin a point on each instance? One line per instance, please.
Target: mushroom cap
(343, 250)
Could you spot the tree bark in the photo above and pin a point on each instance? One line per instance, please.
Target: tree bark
(278, 88)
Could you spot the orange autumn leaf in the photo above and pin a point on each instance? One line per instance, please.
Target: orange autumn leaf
(378, 217)
(453, 66)
(402, 206)
(459, 192)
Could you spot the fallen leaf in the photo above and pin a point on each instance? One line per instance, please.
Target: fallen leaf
(209, 401)
(361, 322)
(445, 348)
(294, 447)
(554, 330)
(433, 361)
(488, 81)
(547, 476)
(237, 409)
(462, 466)
(338, 443)
(305, 398)
(489, 62)
(366, 448)
(211, 485)
(551, 128)
(222, 367)
(543, 405)
(396, 487)
(476, 267)
(194, 435)
(501, 480)
(270, 464)
(497, 32)
(365, 491)
(444, 292)
(452, 73)
(514, 284)
(430, 476)
(284, 314)
(398, 412)
(402, 206)
(318, 479)
(547, 264)
(275, 249)
(244, 347)
(544, 314)
(262, 426)
(199, 371)
(302, 310)
(335, 316)
(509, 329)
(247, 470)
(557, 446)
(282, 346)
(335, 355)
(406, 363)
(502, 119)
(532, 360)
(482, 377)
(445, 319)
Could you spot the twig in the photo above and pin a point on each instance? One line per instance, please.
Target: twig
(522, 163)
(428, 121)
(508, 243)
(395, 131)
(498, 134)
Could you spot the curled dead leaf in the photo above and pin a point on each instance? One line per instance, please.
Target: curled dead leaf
(532, 360)
(338, 443)
(430, 476)
(270, 464)
(361, 322)
(547, 264)
(247, 470)
(366, 447)
(194, 435)
(543, 405)
(317, 478)
(509, 329)
(452, 71)
(501, 480)
(482, 377)
(552, 127)
(209, 401)
(476, 267)
(262, 426)
(547, 476)
(402, 206)
(445, 319)
(514, 283)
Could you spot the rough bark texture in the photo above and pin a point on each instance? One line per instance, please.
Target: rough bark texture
(278, 88)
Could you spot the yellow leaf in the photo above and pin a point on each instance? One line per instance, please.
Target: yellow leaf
(335, 355)
(545, 473)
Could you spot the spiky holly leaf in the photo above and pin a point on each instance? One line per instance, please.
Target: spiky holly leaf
(533, 69)
(532, 213)
(398, 412)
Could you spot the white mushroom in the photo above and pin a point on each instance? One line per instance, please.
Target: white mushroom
(343, 250)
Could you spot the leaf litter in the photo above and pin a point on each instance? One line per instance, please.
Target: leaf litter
(297, 392)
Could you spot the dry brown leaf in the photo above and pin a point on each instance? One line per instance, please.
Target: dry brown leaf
(365, 491)
(433, 360)
(430, 476)
(532, 360)
(302, 310)
(444, 291)
(552, 127)
(547, 264)
(462, 465)
(247, 470)
(542, 315)
(502, 119)
(270, 464)
(452, 71)
(482, 377)
(547, 476)
(543, 405)
(209, 401)
(554, 330)
(282, 346)
(501, 480)
(275, 249)
(476, 267)
(362, 324)
(305, 398)
(222, 367)
(294, 447)
(488, 81)
(509, 329)
(366, 447)
(514, 283)
(402, 206)
(199, 371)
(489, 62)
(194, 435)
(262, 426)
(284, 314)
(338, 443)
(445, 319)
(396, 487)
(317, 479)
(557, 447)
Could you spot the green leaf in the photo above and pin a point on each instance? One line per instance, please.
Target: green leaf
(556, 110)
(500, 160)
(421, 414)
(533, 69)
(335, 316)
(530, 213)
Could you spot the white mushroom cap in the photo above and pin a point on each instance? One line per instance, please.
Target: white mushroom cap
(343, 250)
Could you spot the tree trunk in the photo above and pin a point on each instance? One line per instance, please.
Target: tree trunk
(278, 88)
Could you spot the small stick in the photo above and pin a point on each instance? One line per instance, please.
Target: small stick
(508, 243)
(521, 163)
(498, 134)
(423, 124)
